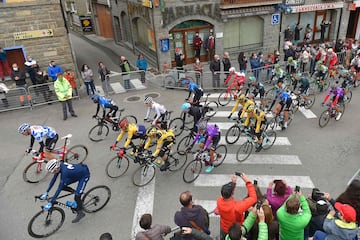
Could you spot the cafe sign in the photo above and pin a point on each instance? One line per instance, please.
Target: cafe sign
(317, 7)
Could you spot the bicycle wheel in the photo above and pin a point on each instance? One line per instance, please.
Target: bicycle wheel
(192, 171)
(184, 143)
(35, 172)
(76, 154)
(117, 167)
(347, 97)
(130, 118)
(224, 98)
(233, 134)
(177, 160)
(46, 223)
(220, 156)
(291, 116)
(324, 118)
(169, 81)
(188, 118)
(270, 94)
(96, 198)
(269, 138)
(177, 125)
(212, 108)
(98, 133)
(309, 101)
(143, 175)
(273, 123)
(244, 151)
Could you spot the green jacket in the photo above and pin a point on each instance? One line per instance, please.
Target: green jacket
(63, 89)
(292, 225)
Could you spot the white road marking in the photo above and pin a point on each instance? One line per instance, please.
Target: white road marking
(137, 84)
(280, 141)
(117, 87)
(307, 112)
(265, 159)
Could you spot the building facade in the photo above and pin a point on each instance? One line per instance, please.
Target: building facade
(36, 28)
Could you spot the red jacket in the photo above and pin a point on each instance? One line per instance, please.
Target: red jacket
(333, 61)
(239, 79)
(231, 210)
(197, 42)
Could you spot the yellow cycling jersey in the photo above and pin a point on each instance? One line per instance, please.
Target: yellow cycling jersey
(131, 130)
(167, 136)
(244, 102)
(259, 116)
(247, 102)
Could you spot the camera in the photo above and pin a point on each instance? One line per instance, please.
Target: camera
(255, 182)
(297, 188)
(238, 174)
(258, 204)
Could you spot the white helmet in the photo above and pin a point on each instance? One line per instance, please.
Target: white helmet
(52, 165)
(148, 99)
(232, 69)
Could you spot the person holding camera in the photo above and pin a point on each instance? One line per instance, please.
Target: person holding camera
(292, 222)
(151, 231)
(276, 193)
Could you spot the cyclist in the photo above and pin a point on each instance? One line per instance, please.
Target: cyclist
(208, 136)
(133, 132)
(260, 124)
(284, 103)
(278, 73)
(39, 133)
(257, 88)
(245, 102)
(69, 174)
(237, 82)
(160, 111)
(321, 71)
(304, 83)
(331, 59)
(347, 80)
(104, 103)
(337, 99)
(195, 111)
(165, 139)
(193, 88)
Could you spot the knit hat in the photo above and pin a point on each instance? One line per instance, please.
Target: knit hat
(227, 190)
(347, 211)
(322, 207)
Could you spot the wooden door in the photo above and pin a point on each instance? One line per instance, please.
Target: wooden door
(16, 56)
(319, 16)
(104, 21)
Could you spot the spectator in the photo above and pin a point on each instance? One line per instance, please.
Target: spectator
(242, 60)
(19, 77)
(64, 93)
(4, 65)
(318, 217)
(191, 215)
(305, 58)
(198, 68)
(125, 68)
(142, 65)
(268, 64)
(70, 76)
(53, 70)
(288, 52)
(255, 63)
(342, 227)
(104, 77)
(197, 43)
(298, 28)
(276, 58)
(151, 231)
(226, 64)
(215, 69)
(210, 45)
(272, 225)
(41, 79)
(276, 193)
(106, 236)
(3, 91)
(29, 67)
(323, 26)
(179, 61)
(308, 34)
(292, 223)
(351, 197)
(313, 54)
(87, 76)
(288, 34)
(231, 210)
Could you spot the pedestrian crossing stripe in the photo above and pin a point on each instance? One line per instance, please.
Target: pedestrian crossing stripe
(217, 180)
(280, 141)
(307, 112)
(227, 113)
(137, 84)
(265, 159)
(117, 87)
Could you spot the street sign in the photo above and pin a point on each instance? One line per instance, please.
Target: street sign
(33, 34)
(275, 18)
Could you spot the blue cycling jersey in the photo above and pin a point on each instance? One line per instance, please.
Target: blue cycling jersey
(105, 102)
(70, 173)
(285, 96)
(40, 132)
(193, 87)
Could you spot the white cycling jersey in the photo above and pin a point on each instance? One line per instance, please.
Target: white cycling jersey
(158, 109)
(40, 132)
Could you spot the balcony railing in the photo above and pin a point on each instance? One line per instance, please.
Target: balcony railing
(246, 3)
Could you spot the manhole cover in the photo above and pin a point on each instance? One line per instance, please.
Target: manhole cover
(153, 95)
(133, 99)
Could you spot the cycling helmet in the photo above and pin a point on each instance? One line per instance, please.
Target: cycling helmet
(185, 81)
(333, 86)
(344, 72)
(319, 62)
(23, 127)
(154, 132)
(232, 69)
(250, 108)
(52, 165)
(252, 78)
(185, 106)
(123, 123)
(298, 75)
(148, 99)
(202, 124)
(95, 97)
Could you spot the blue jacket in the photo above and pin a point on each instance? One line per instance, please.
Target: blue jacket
(53, 71)
(141, 64)
(255, 63)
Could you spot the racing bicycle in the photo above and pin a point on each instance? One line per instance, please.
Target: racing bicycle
(329, 113)
(99, 132)
(35, 171)
(45, 223)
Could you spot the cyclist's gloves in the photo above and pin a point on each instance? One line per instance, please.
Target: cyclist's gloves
(44, 196)
(113, 146)
(47, 206)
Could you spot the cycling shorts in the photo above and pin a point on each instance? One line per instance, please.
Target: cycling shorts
(51, 142)
(215, 141)
(165, 148)
(286, 105)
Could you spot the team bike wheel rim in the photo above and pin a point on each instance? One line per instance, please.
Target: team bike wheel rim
(46, 223)
(96, 198)
(244, 151)
(233, 134)
(117, 167)
(143, 175)
(192, 171)
(35, 172)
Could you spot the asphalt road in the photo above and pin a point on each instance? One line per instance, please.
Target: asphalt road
(328, 158)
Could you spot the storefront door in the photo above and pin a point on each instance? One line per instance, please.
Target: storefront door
(319, 16)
